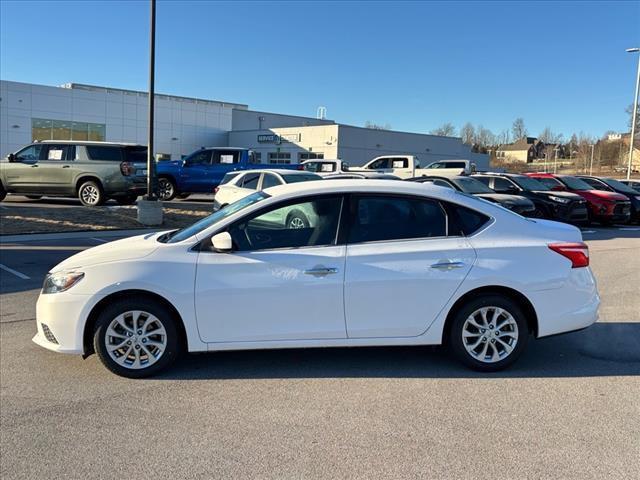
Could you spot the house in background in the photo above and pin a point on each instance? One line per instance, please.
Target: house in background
(525, 150)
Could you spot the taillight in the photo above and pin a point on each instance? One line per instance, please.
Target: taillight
(300, 167)
(578, 253)
(215, 190)
(127, 169)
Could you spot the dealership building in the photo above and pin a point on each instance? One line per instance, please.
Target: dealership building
(73, 111)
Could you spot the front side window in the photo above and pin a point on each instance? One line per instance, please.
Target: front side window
(531, 184)
(503, 185)
(619, 186)
(201, 157)
(29, 154)
(306, 223)
(436, 165)
(99, 152)
(311, 166)
(380, 163)
(549, 182)
(471, 185)
(380, 218)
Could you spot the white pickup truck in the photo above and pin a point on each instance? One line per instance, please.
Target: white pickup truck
(408, 166)
(324, 167)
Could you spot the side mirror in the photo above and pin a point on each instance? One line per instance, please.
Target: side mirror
(11, 157)
(184, 163)
(222, 242)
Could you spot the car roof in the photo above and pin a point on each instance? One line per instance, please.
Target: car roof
(89, 142)
(279, 171)
(499, 174)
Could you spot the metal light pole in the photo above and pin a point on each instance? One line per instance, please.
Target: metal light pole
(591, 166)
(151, 164)
(635, 113)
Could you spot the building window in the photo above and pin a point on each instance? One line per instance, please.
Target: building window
(309, 156)
(45, 129)
(279, 157)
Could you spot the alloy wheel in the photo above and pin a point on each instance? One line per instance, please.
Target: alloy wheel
(135, 339)
(490, 334)
(296, 223)
(90, 194)
(165, 189)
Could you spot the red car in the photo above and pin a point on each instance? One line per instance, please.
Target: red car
(604, 207)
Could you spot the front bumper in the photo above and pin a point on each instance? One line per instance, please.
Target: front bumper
(60, 320)
(575, 212)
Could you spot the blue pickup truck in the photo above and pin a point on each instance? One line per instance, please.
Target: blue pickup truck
(203, 170)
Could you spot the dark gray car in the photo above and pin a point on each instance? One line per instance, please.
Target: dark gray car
(91, 171)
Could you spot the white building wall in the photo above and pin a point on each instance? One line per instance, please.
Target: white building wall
(182, 125)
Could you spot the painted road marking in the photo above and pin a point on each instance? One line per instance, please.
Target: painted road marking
(15, 272)
(589, 231)
(630, 229)
(99, 240)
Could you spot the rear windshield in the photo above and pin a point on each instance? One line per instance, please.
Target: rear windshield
(528, 183)
(471, 185)
(228, 177)
(301, 177)
(135, 154)
(576, 184)
(619, 186)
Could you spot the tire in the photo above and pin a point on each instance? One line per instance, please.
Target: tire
(166, 189)
(34, 197)
(91, 194)
(3, 193)
(297, 219)
(137, 356)
(128, 200)
(487, 342)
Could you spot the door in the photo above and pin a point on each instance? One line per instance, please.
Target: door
(401, 267)
(56, 172)
(282, 281)
(23, 174)
(195, 174)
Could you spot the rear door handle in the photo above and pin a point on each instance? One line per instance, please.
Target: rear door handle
(447, 265)
(65, 166)
(34, 166)
(321, 271)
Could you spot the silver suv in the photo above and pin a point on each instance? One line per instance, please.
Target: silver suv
(92, 171)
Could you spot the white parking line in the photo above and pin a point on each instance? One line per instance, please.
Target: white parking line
(588, 231)
(15, 272)
(99, 240)
(630, 229)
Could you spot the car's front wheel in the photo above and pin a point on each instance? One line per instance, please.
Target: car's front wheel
(489, 333)
(3, 192)
(136, 338)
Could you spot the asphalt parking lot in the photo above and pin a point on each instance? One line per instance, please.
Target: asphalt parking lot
(568, 409)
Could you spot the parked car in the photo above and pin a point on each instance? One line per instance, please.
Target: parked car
(633, 183)
(237, 185)
(325, 166)
(380, 263)
(604, 207)
(361, 175)
(204, 169)
(610, 185)
(91, 171)
(408, 166)
(550, 204)
(515, 203)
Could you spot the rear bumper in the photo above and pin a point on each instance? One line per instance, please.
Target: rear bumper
(572, 306)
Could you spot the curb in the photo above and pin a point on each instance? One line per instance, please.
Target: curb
(34, 237)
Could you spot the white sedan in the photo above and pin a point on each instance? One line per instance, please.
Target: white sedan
(380, 262)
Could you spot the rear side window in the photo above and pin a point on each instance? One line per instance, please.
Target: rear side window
(464, 221)
(380, 218)
(109, 154)
(135, 154)
(58, 152)
(270, 180)
(250, 180)
(484, 180)
(226, 157)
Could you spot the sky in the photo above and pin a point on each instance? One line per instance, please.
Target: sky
(410, 65)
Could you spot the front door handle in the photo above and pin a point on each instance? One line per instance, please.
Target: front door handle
(447, 265)
(65, 166)
(34, 166)
(321, 271)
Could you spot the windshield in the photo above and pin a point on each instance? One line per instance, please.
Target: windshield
(471, 185)
(576, 184)
(528, 183)
(300, 177)
(206, 222)
(619, 186)
(135, 154)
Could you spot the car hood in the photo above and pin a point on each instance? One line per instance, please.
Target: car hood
(504, 198)
(556, 193)
(126, 249)
(602, 195)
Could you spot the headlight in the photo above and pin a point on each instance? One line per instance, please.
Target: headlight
(61, 281)
(559, 199)
(637, 197)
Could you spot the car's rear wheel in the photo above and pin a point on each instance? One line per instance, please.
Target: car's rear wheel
(489, 333)
(296, 220)
(166, 189)
(136, 338)
(90, 194)
(3, 192)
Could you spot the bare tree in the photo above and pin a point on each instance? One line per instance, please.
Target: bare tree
(629, 111)
(444, 130)
(376, 126)
(548, 136)
(518, 129)
(468, 133)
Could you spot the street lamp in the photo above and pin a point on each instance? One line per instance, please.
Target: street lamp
(591, 165)
(635, 112)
